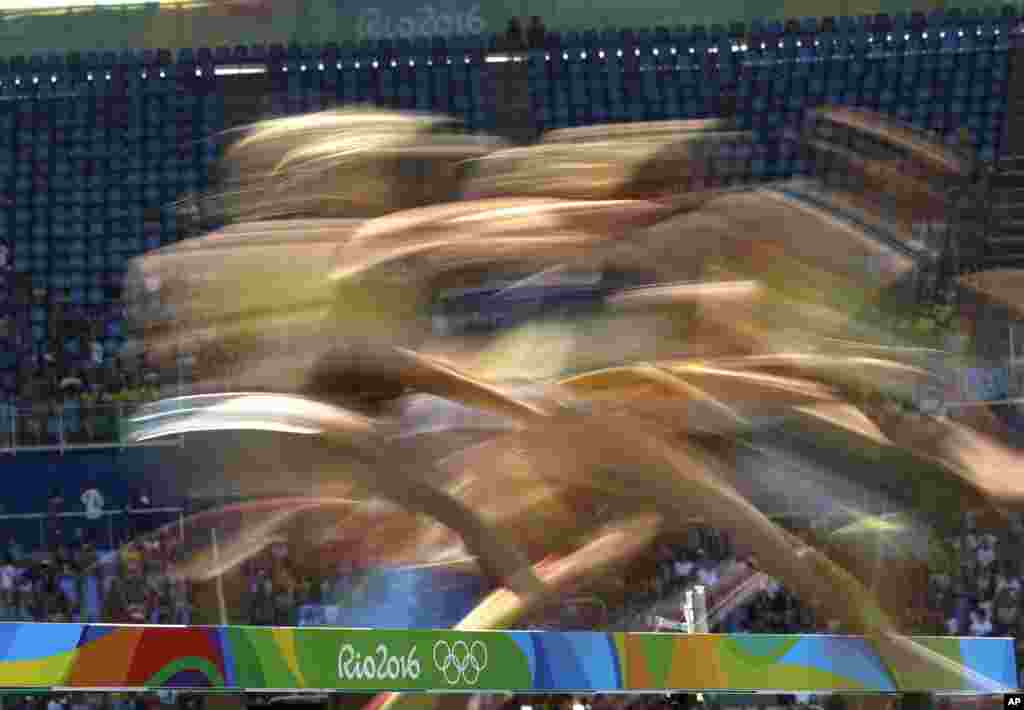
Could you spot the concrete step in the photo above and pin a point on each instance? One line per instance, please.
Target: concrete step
(1003, 263)
(1008, 228)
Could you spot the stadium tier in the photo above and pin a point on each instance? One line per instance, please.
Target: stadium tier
(97, 152)
(95, 148)
(176, 24)
(74, 656)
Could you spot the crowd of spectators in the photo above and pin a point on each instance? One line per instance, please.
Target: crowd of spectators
(64, 399)
(275, 589)
(976, 591)
(83, 582)
(691, 701)
(979, 592)
(707, 560)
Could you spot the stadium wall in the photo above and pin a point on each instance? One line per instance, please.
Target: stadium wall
(189, 477)
(229, 22)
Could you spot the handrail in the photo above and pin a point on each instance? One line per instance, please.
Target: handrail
(81, 514)
(113, 520)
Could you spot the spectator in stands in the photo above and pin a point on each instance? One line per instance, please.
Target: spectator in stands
(15, 551)
(1007, 610)
(514, 36)
(181, 602)
(261, 604)
(55, 605)
(127, 594)
(86, 558)
(284, 598)
(537, 33)
(986, 553)
(980, 624)
(1006, 579)
(8, 582)
(95, 354)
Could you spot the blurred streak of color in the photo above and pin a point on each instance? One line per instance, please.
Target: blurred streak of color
(656, 351)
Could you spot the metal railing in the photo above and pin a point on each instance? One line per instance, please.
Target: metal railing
(107, 527)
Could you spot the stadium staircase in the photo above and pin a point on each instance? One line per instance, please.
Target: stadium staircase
(510, 88)
(1005, 244)
(1006, 239)
(246, 98)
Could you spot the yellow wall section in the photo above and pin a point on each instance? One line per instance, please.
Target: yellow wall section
(285, 640)
(52, 670)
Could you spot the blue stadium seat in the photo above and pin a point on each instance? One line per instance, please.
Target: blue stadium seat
(963, 84)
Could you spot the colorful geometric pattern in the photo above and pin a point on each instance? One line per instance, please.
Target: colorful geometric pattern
(131, 657)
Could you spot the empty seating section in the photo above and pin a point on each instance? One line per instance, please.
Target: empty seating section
(942, 73)
(407, 77)
(95, 148)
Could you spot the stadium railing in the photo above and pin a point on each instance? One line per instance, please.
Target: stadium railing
(106, 528)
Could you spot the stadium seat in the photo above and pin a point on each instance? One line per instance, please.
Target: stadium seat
(956, 76)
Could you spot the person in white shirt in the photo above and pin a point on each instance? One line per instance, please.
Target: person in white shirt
(96, 354)
(1002, 582)
(986, 553)
(980, 625)
(971, 543)
(92, 500)
(8, 586)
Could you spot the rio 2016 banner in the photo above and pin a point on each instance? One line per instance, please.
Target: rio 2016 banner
(253, 658)
(174, 25)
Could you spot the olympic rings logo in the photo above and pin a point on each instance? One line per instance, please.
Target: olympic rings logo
(460, 661)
